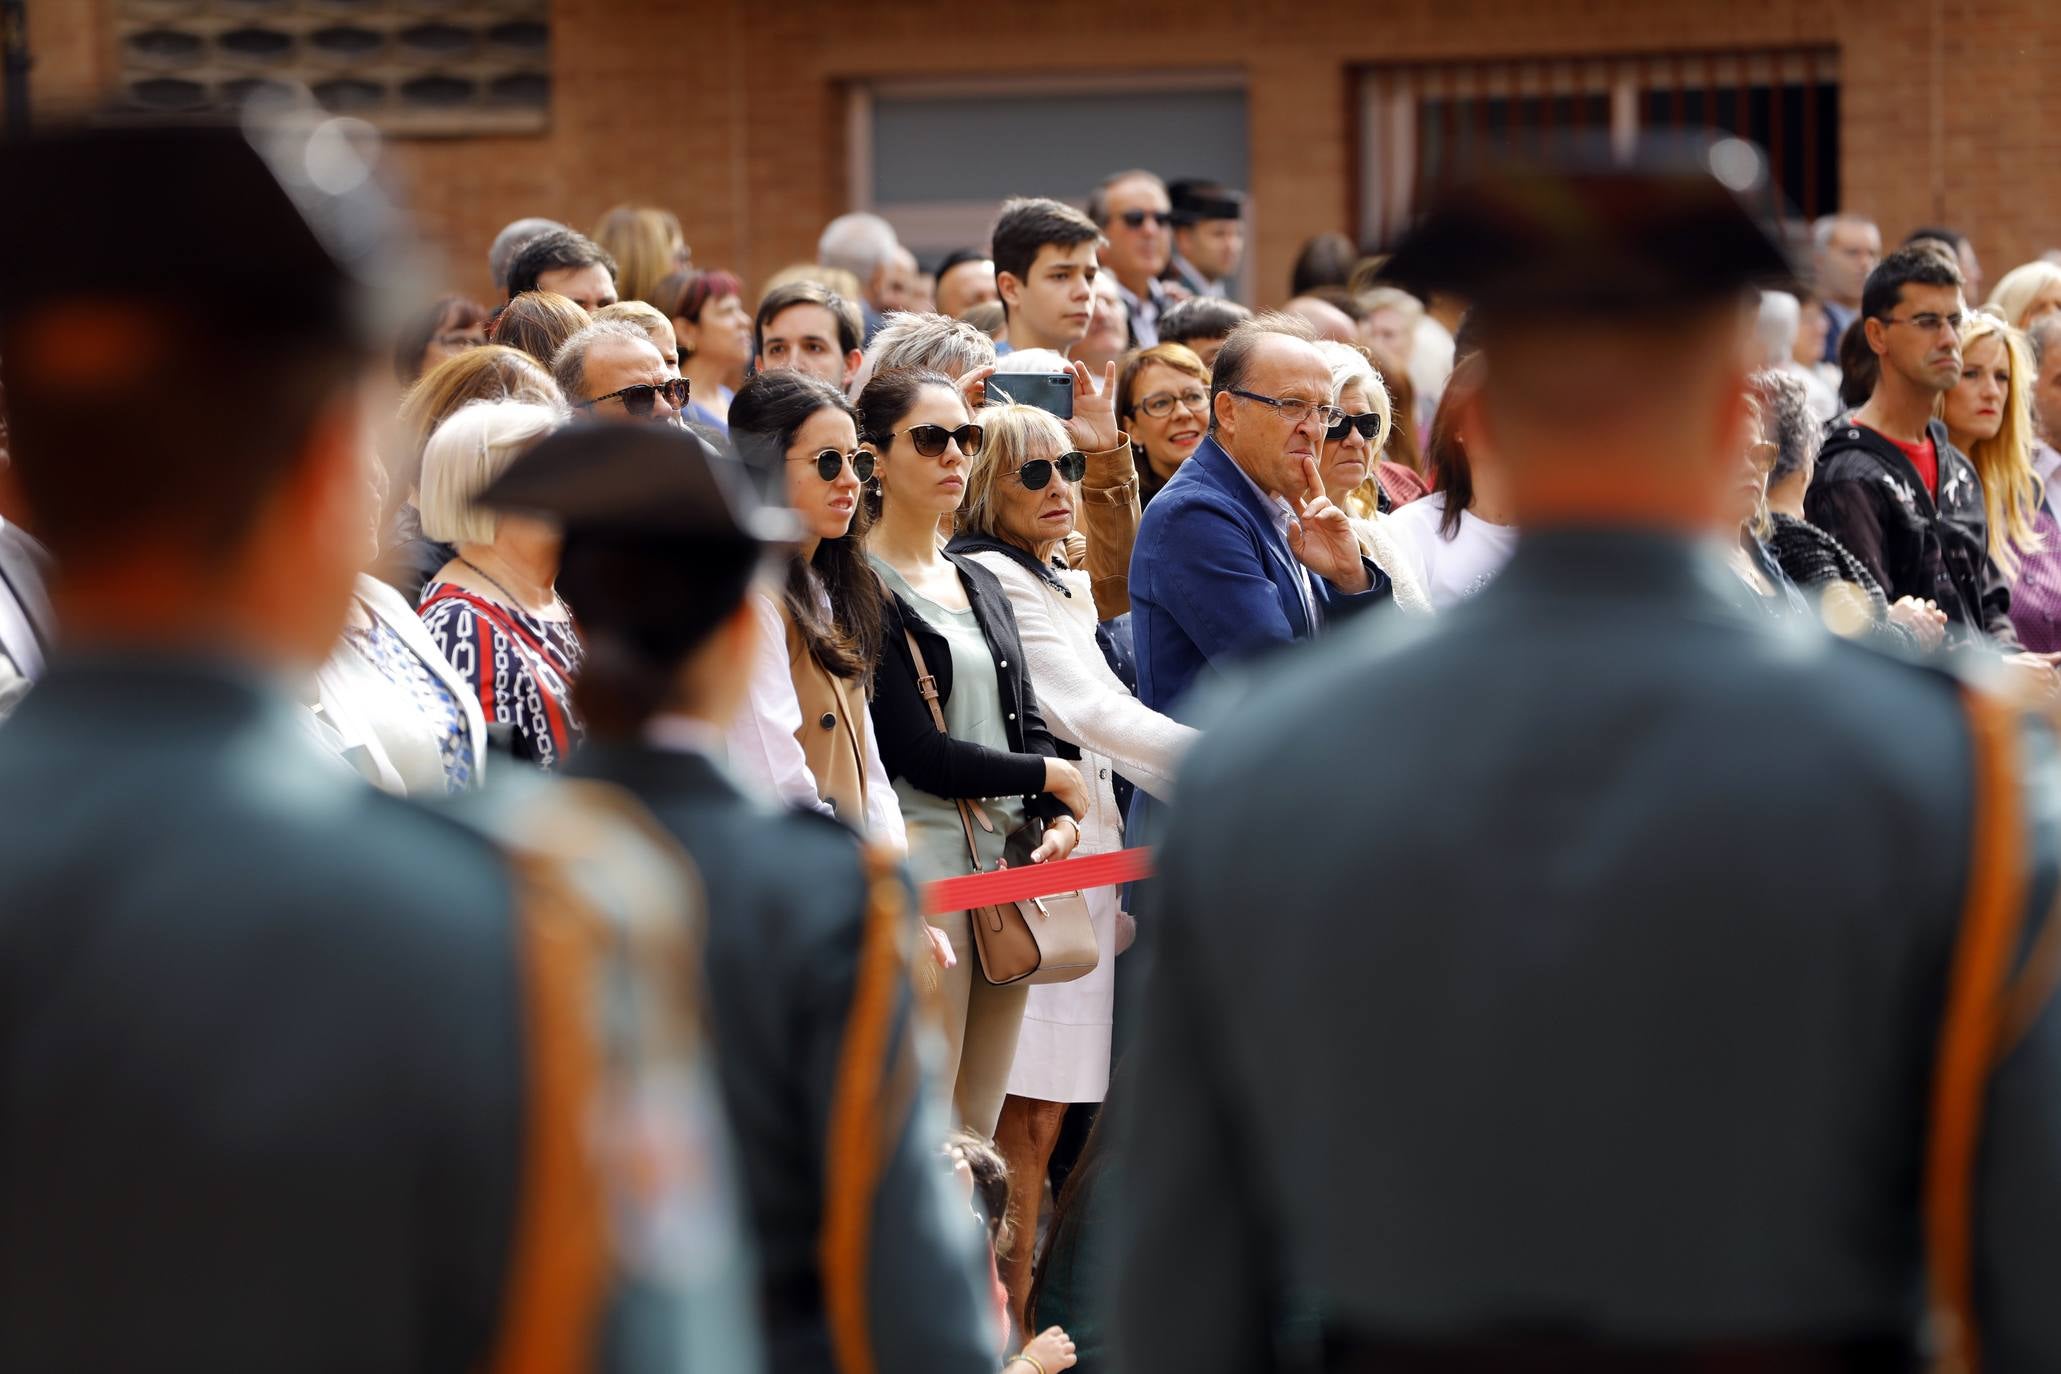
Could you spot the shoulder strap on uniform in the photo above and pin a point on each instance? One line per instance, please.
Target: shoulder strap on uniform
(1986, 1010)
(875, 1093)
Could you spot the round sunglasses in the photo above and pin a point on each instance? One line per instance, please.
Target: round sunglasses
(1368, 425)
(830, 462)
(930, 440)
(1036, 475)
(640, 399)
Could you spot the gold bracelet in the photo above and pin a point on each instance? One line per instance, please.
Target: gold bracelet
(1030, 1360)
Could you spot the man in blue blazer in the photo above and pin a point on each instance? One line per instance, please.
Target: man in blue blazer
(1241, 553)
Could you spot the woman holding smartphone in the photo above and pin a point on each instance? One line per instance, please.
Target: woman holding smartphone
(995, 754)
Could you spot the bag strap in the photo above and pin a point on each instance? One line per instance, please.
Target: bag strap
(926, 687)
(1986, 1011)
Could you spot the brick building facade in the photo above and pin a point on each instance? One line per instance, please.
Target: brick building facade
(735, 114)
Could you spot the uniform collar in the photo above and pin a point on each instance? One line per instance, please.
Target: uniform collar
(1616, 561)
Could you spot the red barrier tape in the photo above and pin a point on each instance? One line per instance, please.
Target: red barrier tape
(1041, 880)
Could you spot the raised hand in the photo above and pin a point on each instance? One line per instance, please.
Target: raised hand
(973, 386)
(1322, 537)
(1093, 426)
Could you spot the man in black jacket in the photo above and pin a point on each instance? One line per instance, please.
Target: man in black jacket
(1889, 485)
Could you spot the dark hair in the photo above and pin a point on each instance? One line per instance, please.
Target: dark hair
(1326, 260)
(644, 605)
(1859, 368)
(1201, 317)
(765, 415)
(1228, 372)
(1445, 456)
(1026, 225)
(448, 312)
(1911, 266)
(1352, 306)
(849, 327)
(889, 398)
(958, 257)
(554, 250)
(538, 323)
(684, 295)
(230, 405)
(990, 1183)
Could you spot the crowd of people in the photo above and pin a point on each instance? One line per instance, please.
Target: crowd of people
(956, 564)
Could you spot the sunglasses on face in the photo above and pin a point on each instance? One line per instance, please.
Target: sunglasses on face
(638, 400)
(1135, 219)
(1368, 425)
(1036, 475)
(930, 440)
(830, 462)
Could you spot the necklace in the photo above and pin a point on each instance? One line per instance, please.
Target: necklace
(557, 601)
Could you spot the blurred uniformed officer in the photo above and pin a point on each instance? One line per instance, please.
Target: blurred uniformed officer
(865, 1264)
(293, 1075)
(1603, 1019)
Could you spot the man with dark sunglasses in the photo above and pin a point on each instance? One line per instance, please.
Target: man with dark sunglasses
(1136, 218)
(611, 371)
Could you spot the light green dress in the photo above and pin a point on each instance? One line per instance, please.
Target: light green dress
(973, 712)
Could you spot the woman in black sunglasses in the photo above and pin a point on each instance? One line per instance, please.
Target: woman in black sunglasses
(1023, 496)
(992, 751)
(1350, 463)
(804, 732)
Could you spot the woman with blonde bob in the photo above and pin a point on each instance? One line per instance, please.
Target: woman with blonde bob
(2027, 292)
(646, 244)
(494, 609)
(1022, 499)
(1988, 416)
(1349, 468)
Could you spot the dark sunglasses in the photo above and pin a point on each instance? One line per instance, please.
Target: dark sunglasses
(1136, 218)
(1368, 425)
(639, 399)
(829, 463)
(1036, 475)
(930, 440)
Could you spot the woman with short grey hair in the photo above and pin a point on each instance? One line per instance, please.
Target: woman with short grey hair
(1846, 596)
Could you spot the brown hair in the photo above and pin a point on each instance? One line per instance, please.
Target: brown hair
(449, 312)
(1179, 357)
(646, 244)
(491, 373)
(1445, 457)
(537, 323)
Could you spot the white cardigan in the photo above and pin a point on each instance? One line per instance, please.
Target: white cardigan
(1395, 558)
(1082, 701)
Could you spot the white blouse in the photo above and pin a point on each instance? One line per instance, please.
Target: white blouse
(765, 752)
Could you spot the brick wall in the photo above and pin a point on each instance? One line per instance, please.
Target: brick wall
(731, 112)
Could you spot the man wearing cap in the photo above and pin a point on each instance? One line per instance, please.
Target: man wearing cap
(1560, 1046)
(1209, 236)
(864, 1264)
(298, 1076)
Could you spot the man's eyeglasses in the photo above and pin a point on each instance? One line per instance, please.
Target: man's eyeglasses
(1036, 475)
(830, 462)
(1368, 425)
(1135, 219)
(1294, 411)
(930, 440)
(1928, 323)
(1160, 404)
(640, 399)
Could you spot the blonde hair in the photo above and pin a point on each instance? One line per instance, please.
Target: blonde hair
(836, 278)
(466, 454)
(1015, 435)
(646, 244)
(494, 372)
(645, 316)
(2010, 487)
(1349, 363)
(2020, 287)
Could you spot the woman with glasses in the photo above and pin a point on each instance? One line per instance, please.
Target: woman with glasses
(712, 326)
(1163, 397)
(494, 609)
(1022, 499)
(995, 755)
(1350, 467)
(805, 734)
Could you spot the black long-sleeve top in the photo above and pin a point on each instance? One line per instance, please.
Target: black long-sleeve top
(912, 747)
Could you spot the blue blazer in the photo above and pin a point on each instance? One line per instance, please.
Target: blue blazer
(1212, 583)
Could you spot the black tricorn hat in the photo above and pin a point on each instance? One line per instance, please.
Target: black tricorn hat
(279, 227)
(1196, 201)
(1596, 234)
(641, 482)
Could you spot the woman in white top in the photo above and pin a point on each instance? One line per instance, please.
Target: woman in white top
(819, 634)
(1462, 534)
(388, 702)
(1022, 498)
(1351, 449)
